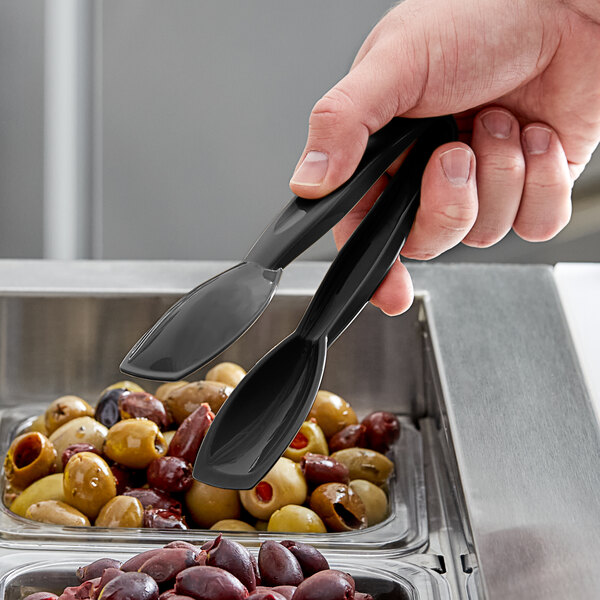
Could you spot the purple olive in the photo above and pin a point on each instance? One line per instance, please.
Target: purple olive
(382, 430)
(75, 449)
(191, 432)
(107, 409)
(144, 406)
(326, 585)
(266, 594)
(361, 596)
(233, 557)
(352, 436)
(287, 591)
(135, 562)
(182, 544)
(310, 559)
(41, 596)
(158, 518)
(173, 595)
(170, 474)
(131, 586)
(164, 565)
(96, 568)
(122, 478)
(151, 498)
(319, 469)
(108, 575)
(81, 592)
(278, 566)
(210, 583)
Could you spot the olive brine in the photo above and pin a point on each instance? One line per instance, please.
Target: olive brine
(221, 569)
(128, 463)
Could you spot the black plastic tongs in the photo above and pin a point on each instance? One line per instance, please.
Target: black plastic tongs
(212, 316)
(265, 411)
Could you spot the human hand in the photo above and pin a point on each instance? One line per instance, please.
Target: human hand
(522, 79)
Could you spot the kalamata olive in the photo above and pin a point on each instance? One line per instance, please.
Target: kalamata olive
(170, 473)
(163, 391)
(310, 438)
(41, 596)
(134, 443)
(121, 511)
(287, 591)
(266, 594)
(75, 449)
(107, 575)
(129, 386)
(135, 562)
(361, 596)
(226, 372)
(319, 469)
(88, 483)
(299, 519)
(190, 433)
(207, 504)
(29, 457)
(332, 413)
(310, 559)
(107, 409)
(145, 406)
(66, 408)
(130, 586)
(151, 498)
(352, 436)
(210, 583)
(80, 592)
(59, 513)
(182, 544)
(365, 464)
(283, 484)
(47, 488)
(383, 429)
(39, 425)
(122, 477)
(82, 430)
(233, 557)
(340, 508)
(374, 499)
(328, 585)
(160, 518)
(232, 525)
(183, 401)
(277, 565)
(173, 595)
(96, 568)
(164, 565)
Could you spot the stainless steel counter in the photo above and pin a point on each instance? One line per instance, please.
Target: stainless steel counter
(526, 439)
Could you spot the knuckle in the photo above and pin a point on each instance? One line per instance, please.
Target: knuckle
(331, 108)
(501, 165)
(454, 217)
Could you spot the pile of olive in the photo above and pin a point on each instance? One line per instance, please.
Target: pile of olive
(127, 463)
(221, 569)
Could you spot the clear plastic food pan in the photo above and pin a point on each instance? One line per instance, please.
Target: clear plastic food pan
(24, 573)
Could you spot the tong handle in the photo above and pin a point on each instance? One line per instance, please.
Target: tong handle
(302, 222)
(368, 255)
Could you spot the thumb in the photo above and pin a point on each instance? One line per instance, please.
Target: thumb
(385, 83)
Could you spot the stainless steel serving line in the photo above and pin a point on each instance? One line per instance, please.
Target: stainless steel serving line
(482, 366)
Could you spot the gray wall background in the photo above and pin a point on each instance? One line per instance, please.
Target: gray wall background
(203, 109)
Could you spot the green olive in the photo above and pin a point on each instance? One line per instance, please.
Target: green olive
(339, 506)
(55, 511)
(88, 483)
(365, 464)
(130, 386)
(297, 519)
(121, 511)
(310, 438)
(226, 372)
(183, 401)
(78, 431)
(261, 525)
(208, 505)
(374, 499)
(39, 425)
(65, 409)
(163, 391)
(332, 413)
(29, 457)
(135, 443)
(232, 525)
(283, 484)
(46, 488)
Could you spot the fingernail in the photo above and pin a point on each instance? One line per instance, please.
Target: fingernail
(456, 164)
(537, 139)
(312, 170)
(498, 124)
